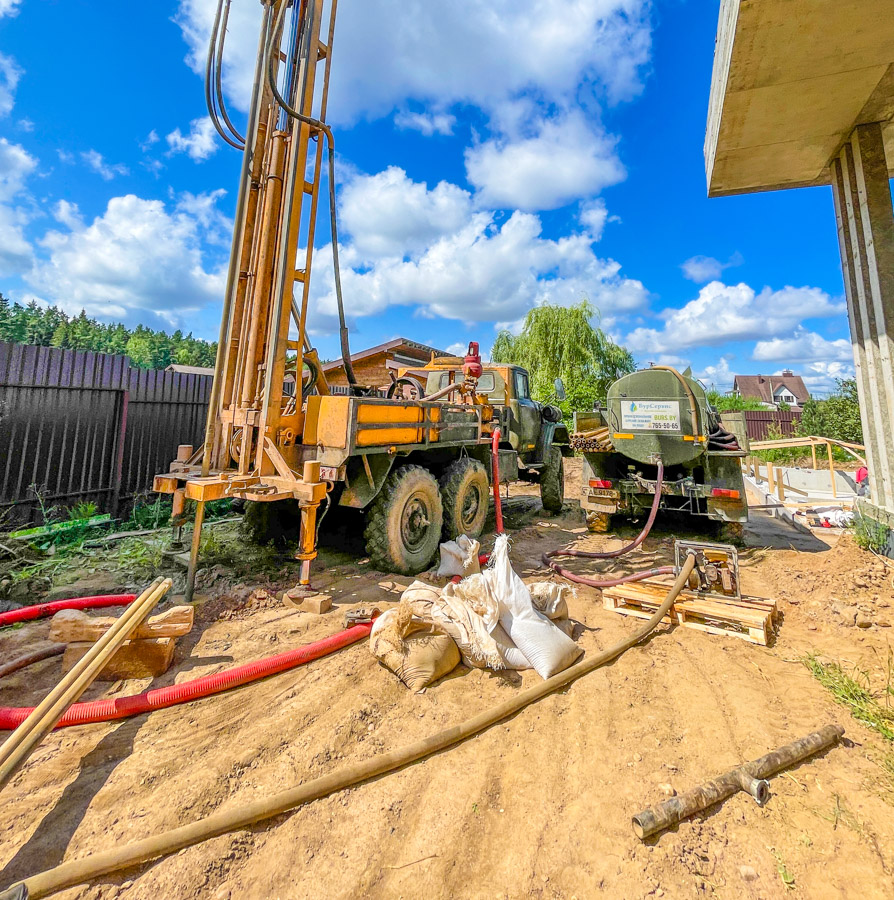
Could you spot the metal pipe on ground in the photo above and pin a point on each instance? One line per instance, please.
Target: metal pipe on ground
(749, 777)
(78, 871)
(27, 659)
(21, 743)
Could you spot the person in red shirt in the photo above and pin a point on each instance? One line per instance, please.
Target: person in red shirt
(862, 478)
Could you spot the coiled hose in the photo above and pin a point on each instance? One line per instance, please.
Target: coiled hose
(612, 554)
(78, 871)
(135, 704)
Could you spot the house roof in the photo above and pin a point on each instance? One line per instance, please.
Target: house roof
(763, 387)
(189, 370)
(403, 346)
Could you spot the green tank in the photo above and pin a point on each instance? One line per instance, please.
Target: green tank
(651, 416)
(658, 412)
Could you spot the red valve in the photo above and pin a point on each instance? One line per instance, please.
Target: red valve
(472, 367)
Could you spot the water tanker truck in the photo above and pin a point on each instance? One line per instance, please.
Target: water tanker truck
(659, 415)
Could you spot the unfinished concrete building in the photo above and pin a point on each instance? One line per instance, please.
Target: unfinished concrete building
(802, 94)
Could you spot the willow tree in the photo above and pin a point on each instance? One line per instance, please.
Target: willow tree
(562, 342)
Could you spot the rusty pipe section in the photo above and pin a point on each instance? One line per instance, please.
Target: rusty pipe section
(749, 777)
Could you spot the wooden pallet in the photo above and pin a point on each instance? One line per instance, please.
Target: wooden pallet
(750, 618)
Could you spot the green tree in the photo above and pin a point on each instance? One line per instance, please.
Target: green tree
(836, 417)
(731, 402)
(562, 342)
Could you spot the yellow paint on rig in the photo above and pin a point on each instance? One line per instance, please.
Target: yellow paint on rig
(621, 437)
(327, 421)
(379, 424)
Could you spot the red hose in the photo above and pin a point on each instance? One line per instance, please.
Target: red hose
(135, 704)
(41, 610)
(611, 554)
(495, 458)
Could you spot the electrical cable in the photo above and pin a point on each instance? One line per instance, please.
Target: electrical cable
(210, 79)
(218, 85)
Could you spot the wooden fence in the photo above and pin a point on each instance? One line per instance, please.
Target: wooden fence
(82, 426)
(758, 422)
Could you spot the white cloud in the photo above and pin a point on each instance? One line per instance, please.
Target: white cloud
(804, 347)
(564, 160)
(199, 144)
(135, 260)
(388, 214)
(822, 377)
(705, 268)
(16, 164)
(216, 227)
(10, 73)
(724, 313)
(719, 375)
(473, 266)
(593, 217)
(9, 8)
(150, 139)
(96, 163)
(427, 123)
(68, 215)
(481, 52)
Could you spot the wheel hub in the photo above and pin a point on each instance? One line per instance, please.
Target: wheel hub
(414, 523)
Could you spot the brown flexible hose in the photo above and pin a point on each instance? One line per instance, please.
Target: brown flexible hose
(82, 870)
(27, 659)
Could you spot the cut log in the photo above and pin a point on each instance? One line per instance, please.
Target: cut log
(136, 659)
(71, 625)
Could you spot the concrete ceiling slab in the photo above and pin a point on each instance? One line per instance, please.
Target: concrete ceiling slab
(791, 80)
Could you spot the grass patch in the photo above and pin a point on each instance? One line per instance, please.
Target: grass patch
(870, 534)
(852, 689)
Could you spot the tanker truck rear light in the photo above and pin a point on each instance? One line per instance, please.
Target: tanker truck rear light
(725, 492)
(600, 483)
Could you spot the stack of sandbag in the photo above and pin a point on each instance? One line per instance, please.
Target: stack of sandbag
(418, 652)
(496, 621)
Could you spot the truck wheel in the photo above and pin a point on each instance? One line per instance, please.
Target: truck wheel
(403, 525)
(552, 481)
(464, 495)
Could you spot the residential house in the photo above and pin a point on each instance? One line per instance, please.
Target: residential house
(772, 390)
(375, 366)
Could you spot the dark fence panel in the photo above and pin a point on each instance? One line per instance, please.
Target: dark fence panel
(164, 409)
(758, 422)
(77, 425)
(60, 427)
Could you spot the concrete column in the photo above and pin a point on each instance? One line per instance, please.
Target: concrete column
(865, 218)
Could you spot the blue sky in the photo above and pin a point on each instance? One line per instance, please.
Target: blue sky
(492, 156)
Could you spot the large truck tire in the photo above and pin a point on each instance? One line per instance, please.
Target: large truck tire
(403, 523)
(464, 495)
(552, 480)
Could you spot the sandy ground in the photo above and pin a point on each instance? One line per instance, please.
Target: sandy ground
(538, 806)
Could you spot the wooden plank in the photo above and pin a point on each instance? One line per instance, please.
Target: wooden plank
(72, 625)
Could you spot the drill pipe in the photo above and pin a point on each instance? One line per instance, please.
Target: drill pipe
(749, 777)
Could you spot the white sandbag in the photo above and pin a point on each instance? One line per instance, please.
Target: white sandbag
(547, 649)
(513, 658)
(459, 557)
(417, 652)
(550, 598)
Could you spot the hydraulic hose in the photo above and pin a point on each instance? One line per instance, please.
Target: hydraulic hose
(495, 461)
(612, 554)
(249, 813)
(160, 698)
(42, 610)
